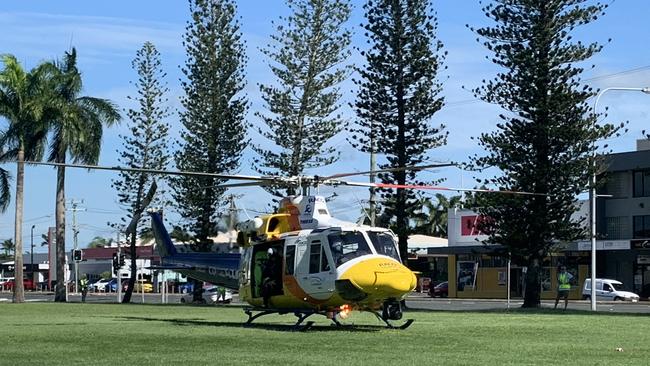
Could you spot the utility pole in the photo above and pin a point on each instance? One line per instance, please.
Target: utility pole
(31, 260)
(75, 230)
(232, 213)
(373, 166)
(119, 270)
(231, 221)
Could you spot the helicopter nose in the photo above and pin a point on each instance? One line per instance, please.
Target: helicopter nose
(382, 277)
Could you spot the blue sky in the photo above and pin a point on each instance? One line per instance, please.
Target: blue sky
(108, 33)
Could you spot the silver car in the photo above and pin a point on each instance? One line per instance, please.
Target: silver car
(210, 296)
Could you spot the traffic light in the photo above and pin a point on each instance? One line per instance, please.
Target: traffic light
(77, 255)
(116, 263)
(122, 257)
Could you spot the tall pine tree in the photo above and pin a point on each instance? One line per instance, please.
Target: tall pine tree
(398, 95)
(215, 108)
(546, 139)
(306, 55)
(146, 146)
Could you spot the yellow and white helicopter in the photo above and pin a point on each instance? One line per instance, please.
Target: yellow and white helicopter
(319, 265)
(323, 265)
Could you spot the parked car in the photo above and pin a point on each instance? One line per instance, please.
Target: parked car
(99, 285)
(139, 286)
(111, 286)
(608, 290)
(210, 296)
(28, 284)
(441, 289)
(4, 281)
(186, 288)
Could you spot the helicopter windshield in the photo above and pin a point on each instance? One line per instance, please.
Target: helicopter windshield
(384, 243)
(347, 245)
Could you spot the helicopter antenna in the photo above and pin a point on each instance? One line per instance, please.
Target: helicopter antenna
(245, 211)
(462, 196)
(362, 208)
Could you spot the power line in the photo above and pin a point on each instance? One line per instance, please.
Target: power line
(595, 78)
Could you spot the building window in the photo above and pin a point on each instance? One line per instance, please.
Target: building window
(616, 227)
(642, 227)
(642, 183)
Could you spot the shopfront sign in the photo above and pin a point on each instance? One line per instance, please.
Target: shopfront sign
(641, 244)
(643, 259)
(605, 245)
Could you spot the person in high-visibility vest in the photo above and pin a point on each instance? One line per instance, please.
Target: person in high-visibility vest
(563, 286)
(83, 285)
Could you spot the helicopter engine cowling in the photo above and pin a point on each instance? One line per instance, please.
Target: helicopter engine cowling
(251, 225)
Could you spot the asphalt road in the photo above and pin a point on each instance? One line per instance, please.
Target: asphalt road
(422, 302)
(96, 297)
(415, 301)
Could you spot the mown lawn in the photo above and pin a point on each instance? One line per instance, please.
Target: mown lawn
(124, 335)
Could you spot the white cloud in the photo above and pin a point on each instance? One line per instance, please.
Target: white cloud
(41, 36)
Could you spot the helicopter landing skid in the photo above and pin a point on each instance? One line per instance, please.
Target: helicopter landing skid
(391, 326)
(303, 314)
(298, 326)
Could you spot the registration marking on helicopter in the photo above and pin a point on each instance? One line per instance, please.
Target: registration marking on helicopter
(229, 273)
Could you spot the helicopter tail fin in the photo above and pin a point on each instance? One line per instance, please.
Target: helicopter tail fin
(164, 244)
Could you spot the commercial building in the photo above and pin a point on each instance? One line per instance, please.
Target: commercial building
(623, 220)
(477, 270)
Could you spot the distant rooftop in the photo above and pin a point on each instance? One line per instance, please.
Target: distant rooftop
(631, 160)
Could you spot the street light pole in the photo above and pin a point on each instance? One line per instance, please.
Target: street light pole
(593, 195)
(31, 259)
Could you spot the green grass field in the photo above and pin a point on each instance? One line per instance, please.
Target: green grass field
(111, 334)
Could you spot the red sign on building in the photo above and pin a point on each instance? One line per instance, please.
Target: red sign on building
(469, 225)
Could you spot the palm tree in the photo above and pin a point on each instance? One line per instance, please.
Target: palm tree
(5, 194)
(24, 103)
(100, 242)
(8, 246)
(77, 132)
(432, 218)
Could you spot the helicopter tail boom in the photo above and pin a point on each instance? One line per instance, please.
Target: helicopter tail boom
(164, 243)
(217, 268)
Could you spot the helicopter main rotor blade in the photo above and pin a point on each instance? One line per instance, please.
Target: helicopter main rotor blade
(248, 184)
(388, 170)
(158, 171)
(433, 188)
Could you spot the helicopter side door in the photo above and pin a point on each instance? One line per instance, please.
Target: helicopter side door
(314, 270)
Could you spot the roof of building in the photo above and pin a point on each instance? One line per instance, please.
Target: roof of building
(144, 251)
(468, 249)
(420, 244)
(631, 160)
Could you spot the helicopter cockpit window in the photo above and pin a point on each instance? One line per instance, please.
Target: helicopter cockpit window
(324, 264)
(290, 258)
(347, 245)
(384, 244)
(314, 256)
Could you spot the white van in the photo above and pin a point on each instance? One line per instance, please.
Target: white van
(608, 290)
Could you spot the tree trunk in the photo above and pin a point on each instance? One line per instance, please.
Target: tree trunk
(134, 268)
(401, 217)
(533, 285)
(19, 290)
(60, 290)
